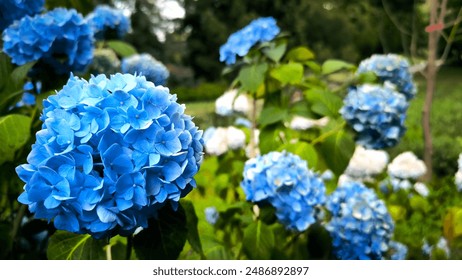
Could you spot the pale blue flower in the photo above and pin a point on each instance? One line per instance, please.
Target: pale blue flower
(360, 225)
(102, 164)
(239, 43)
(211, 215)
(146, 65)
(284, 180)
(377, 115)
(393, 69)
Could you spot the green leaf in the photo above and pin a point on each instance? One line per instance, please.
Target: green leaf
(304, 150)
(65, 245)
(19, 74)
(332, 65)
(121, 48)
(291, 73)
(191, 223)
(271, 114)
(165, 236)
(419, 203)
(325, 103)
(14, 132)
(252, 76)
(337, 150)
(5, 70)
(300, 54)
(275, 53)
(258, 241)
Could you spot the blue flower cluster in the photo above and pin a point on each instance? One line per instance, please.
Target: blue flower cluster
(111, 151)
(60, 38)
(29, 95)
(393, 69)
(360, 226)
(147, 66)
(399, 250)
(105, 19)
(11, 10)
(239, 43)
(377, 114)
(284, 180)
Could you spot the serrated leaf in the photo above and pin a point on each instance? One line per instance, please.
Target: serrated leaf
(252, 76)
(164, 238)
(271, 114)
(333, 65)
(291, 73)
(65, 245)
(121, 48)
(258, 241)
(300, 54)
(337, 150)
(191, 223)
(14, 132)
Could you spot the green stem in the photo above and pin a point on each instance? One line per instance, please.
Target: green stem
(108, 252)
(17, 221)
(323, 137)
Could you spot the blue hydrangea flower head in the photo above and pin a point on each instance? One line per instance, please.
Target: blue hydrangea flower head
(392, 69)
(360, 225)
(11, 10)
(284, 180)
(239, 43)
(377, 114)
(106, 19)
(111, 151)
(59, 38)
(146, 65)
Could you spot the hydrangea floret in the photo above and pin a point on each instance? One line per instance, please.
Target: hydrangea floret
(11, 10)
(105, 20)
(218, 140)
(377, 114)
(393, 70)
(406, 166)
(211, 215)
(263, 29)
(366, 163)
(231, 102)
(111, 152)
(60, 38)
(146, 65)
(284, 180)
(360, 225)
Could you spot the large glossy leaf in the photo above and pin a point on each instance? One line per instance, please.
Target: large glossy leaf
(300, 54)
(291, 73)
(258, 241)
(251, 77)
(121, 48)
(14, 132)
(337, 150)
(275, 53)
(164, 238)
(191, 222)
(65, 245)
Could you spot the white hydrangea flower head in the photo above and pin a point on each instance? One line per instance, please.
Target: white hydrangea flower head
(235, 138)
(407, 166)
(231, 102)
(216, 142)
(366, 163)
(302, 123)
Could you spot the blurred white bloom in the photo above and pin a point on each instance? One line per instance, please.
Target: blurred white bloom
(235, 138)
(231, 102)
(343, 179)
(366, 163)
(302, 123)
(458, 176)
(327, 175)
(219, 140)
(443, 245)
(215, 139)
(407, 166)
(421, 189)
(211, 215)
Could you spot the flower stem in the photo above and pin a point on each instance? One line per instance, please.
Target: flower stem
(128, 254)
